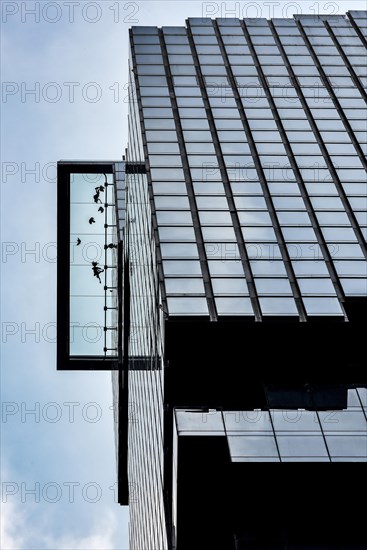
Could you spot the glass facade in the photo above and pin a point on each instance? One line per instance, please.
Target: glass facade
(145, 435)
(286, 435)
(252, 207)
(256, 155)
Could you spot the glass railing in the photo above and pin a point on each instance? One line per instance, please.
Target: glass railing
(94, 297)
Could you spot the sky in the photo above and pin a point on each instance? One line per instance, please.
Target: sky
(64, 96)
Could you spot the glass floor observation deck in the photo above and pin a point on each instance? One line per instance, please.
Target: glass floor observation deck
(91, 213)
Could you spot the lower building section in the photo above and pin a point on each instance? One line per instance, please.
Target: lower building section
(230, 492)
(251, 506)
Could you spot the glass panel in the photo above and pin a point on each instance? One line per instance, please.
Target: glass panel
(332, 218)
(339, 250)
(184, 286)
(228, 268)
(222, 251)
(253, 217)
(169, 187)
(309, 268)
(268, 267)
(289, 203)
(229, 286)
(165, 160)
(198, 422)
(354, 287)
(179, 250)
(174, 217)
(218, 233)
(351, 267)
(247, 202)
(316, 286)
(200, 148)
(234, 306)
(176, 233)
(258, 234)
(347, 445)
(302, 445)
(322, 306)
(327, 203)
(212, 203)
(163, 148)
(339, 234)
(171, 202)
(208, 188)
(215, 217)
(293, 218)
(273, 286)
(278, 306)
(181, 267)
(252, 446)
(187, 306)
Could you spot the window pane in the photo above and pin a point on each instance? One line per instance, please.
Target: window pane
(184, 286)
(229, 286)
(171, 202)
(176, 234)
(322, 306)
(179, 250)
(227, 268)
(316, 286)
(174, 217)
(234, 306)
(215, 217)
(278, 306)
(275, 268)
(273, 286)
(177, 267)
(218, 234)
(187, 306)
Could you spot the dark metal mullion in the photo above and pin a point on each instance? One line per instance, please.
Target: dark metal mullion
(310, 210)
(357, 29)
(342, 195)
(150, 188)
(189, 186)
(349, 66)
(335, 100)
(323, 435)
(361, 403)
(263, 181)
(268, 409)
(226, 184)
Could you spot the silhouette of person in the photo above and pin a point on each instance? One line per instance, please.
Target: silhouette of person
(96, 198)
(92, 220)
(97, 271)
(78, 242)
(101, 209)
(99, 189)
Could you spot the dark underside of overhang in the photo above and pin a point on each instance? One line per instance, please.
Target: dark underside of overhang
(249, 506)
(236, 364)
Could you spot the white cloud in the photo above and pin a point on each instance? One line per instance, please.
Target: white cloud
(11, 528)
(19, 533)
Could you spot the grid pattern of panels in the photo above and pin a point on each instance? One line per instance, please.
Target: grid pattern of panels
(120, 191)
(287, 435)
(93, 294)
(255, 132)
(145, 461)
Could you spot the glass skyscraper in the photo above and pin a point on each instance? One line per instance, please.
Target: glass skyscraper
(242, 220)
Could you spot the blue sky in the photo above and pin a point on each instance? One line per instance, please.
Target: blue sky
(86, 53)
